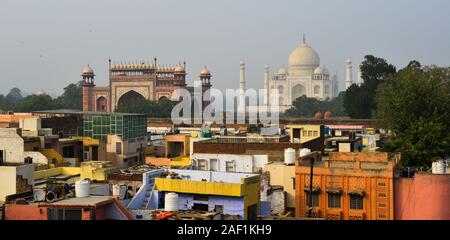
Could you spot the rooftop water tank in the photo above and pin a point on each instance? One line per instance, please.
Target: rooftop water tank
(304, 152)
(289, 156)
(39, 195)
(438, 167)
(82, 188)
(171, 202)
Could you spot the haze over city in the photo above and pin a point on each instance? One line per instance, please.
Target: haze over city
(45, 44)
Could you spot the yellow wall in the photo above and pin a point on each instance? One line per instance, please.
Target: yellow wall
(43, 174)
(180, 162)
(53, 154)
(96, 170)
(248, 189)
(304, 132)
(199, 187)
(283, 175)
(7, 182)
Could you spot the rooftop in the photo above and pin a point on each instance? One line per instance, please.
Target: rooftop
(85, 201)
(77, 112)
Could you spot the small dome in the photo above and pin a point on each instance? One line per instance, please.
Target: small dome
(282, 71)
(204, 71)
(179, 68)
(88, 70)
(321, 70)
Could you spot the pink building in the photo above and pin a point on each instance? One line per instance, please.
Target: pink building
(424, 197)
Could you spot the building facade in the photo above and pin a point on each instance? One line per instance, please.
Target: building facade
(347, 186)
(136, 81)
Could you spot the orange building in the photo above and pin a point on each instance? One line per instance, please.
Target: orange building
(347, 186)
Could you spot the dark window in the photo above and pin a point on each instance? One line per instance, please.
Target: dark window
(200, 207)
(201, 197)
(356, 202)
(293, 183)
(334, 200)
(68, 152)
(64, 214)
(94, 153)
(2, 157)
(315, 199)
(119, 148)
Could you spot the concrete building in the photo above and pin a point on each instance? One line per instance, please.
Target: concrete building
(228, 193)
(242, 146)
(229, 162)
(124, 135)
(87, 208)
(283, 175)
(347, 186)
(425, 196)
(15, 178)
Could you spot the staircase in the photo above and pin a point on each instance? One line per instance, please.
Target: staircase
(148, 196)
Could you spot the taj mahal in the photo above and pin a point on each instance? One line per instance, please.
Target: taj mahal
(304, 76)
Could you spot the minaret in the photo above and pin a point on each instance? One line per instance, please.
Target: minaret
(88, 87)
(348, 73)
(205, 79)
(266, 84)
(241, 108)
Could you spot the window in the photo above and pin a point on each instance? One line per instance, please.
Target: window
(293, 183)
(310, 133)
(118, 148)
(316, 90)
(316, 133)
(315, 199)
(199, 197)
(356, 202)
(334, 200)
(230, 166)
(64, 214)
(2, 157)
(201, 164)
(214, 165)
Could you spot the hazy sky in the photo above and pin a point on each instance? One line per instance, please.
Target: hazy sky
(44, 44)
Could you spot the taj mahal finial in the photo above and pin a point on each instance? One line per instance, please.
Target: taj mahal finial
(304, 38)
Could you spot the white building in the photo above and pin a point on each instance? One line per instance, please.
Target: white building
(229, 162)
(304, 76)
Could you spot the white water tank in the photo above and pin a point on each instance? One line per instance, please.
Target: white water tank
(82, 188)
(438, 167)
(171, 202)
(39, 195)
(304, 152)
(289, 156)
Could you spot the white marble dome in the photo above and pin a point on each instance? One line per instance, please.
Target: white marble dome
(304, 56)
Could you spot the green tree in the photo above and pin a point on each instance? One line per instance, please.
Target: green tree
(156, 109)
(72, 96)
(307, 107)
(14, 96)
(359, 101)
(36, 103)
(415, 106)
